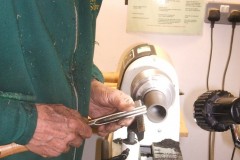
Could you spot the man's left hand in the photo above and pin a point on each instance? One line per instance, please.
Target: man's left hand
(104, 101)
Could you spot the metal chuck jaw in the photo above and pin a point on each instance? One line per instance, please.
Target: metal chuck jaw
(217, 110)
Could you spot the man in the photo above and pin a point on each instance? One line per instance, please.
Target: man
(48, 82)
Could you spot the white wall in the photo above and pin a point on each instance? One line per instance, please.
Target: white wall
(190, 55)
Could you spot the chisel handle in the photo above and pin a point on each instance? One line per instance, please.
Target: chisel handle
(11, 149)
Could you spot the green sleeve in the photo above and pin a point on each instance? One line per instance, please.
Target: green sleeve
(96, 73)
(18, 121)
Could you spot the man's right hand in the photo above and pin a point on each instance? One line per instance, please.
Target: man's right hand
(58, 128)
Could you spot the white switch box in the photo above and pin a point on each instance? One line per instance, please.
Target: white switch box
(224, 8)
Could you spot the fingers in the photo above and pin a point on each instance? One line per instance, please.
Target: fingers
(80, 128)
(123, 102)
(72, 141)
(58, 128)
(109, 128)
(55, 147)
(112, 100)
(76, 142)
(125, 122)
(106, 129)
(43, 151)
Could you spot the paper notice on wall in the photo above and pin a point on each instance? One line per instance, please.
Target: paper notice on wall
(166, 16)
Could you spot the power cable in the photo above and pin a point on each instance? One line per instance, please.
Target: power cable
(229, 56)
(210, 59)
(233, 152)
(213, 16)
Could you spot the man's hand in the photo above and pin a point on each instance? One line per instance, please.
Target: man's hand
(104, 101)
(58, 128)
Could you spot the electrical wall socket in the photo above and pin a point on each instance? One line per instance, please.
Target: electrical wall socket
(225, 10)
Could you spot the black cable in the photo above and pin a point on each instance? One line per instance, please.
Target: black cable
(211, 138)
(213, 16)
(210, 59)
(226, 68)
(229, 56)
(225, 72)
(233, 152)
(211, 142)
